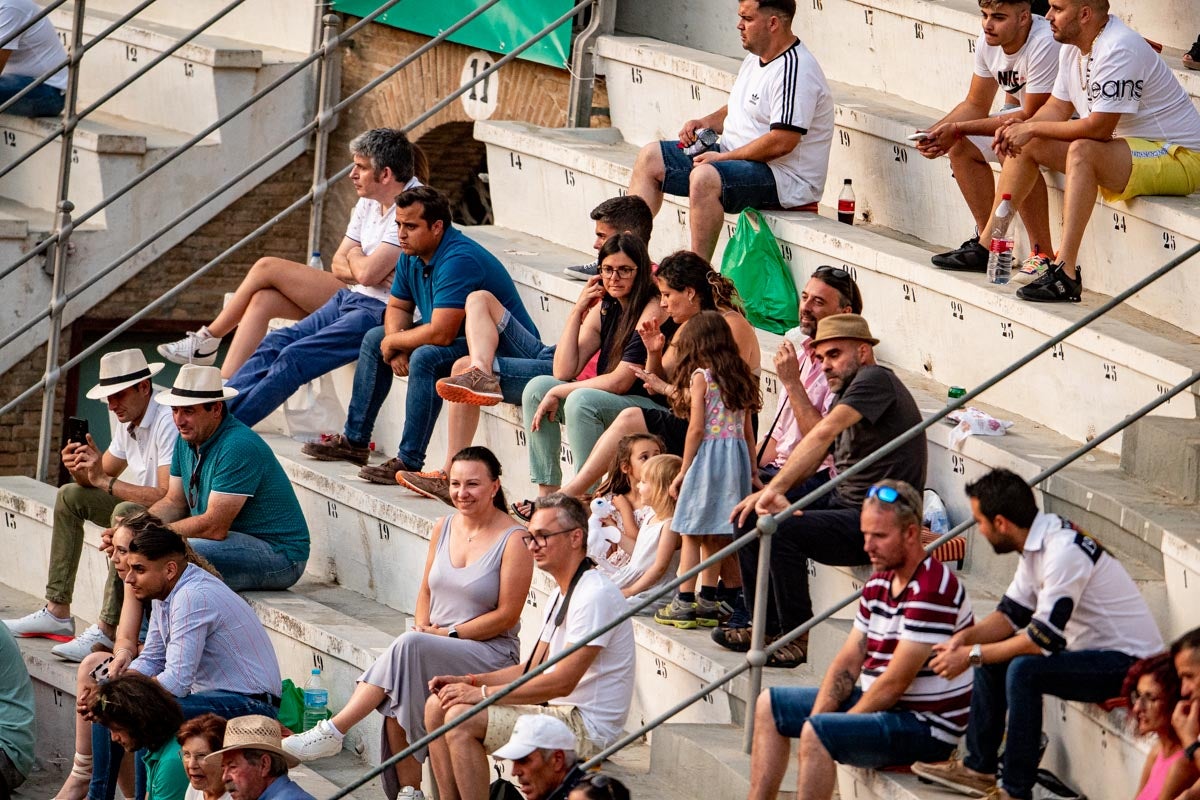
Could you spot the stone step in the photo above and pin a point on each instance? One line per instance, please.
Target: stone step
(1165, 452)
(290, 28)
(935, 310)
(202, 80)
(654, 86)
(889, 45)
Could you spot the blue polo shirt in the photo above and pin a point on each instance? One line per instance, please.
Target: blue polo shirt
(235, 460)
(459, 266)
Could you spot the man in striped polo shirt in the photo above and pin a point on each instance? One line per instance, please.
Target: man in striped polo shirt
(901, 712)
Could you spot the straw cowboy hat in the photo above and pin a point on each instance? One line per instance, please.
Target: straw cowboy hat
(254, 732)
(120, 370)
(844, 326)
(195, 385)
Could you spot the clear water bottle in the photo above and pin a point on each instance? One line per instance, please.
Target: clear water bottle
(315, 261)
(846, 203)
(935, 517)
(316, 701)
(1000, 253)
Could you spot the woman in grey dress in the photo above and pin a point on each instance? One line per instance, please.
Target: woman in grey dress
(476, 579)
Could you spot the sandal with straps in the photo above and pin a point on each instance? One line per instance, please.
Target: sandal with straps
(791, 655)
(522, 510)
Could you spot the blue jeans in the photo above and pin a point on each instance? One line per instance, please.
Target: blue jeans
(107, 754)
(247, 563)
(44, 101)
(744, 184)
(1017, 688)
(373, 381)
(520, 357)
(291, 357)
(881, 739)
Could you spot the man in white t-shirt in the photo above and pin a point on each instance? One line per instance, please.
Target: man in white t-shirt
(1070, 625)
(775, 134)
(1137, 133)
(1015, 53)
(133, 473)
(384, 165)
(26, 56)
(590, 690)
(332, 335)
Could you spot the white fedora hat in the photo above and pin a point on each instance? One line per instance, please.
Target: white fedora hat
(195, 385)
(120, 370)
(254, 732)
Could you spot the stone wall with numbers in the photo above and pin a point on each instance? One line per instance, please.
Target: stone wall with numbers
(520, 90)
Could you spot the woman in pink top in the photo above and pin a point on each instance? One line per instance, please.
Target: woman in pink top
(1153, 690)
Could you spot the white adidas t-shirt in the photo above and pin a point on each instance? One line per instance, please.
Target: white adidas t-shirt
(789, 92)
(35, 51)
(371, 225)
(1125, 76)
(604, 692)
(1032, 69)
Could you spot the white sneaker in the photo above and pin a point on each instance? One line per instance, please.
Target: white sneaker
(410, 793)
(198, 347)
(82, 645)
(40, 623)
(321, 741)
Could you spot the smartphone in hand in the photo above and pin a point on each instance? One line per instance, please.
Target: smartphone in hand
(77, 430)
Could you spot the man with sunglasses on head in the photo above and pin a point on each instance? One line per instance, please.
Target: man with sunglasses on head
(902, 710)
(871, 407)
(1070, 625)
(590, 690)
(228, 495)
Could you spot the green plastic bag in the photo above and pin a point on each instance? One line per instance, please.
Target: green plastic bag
(753, 262)
(291, 706)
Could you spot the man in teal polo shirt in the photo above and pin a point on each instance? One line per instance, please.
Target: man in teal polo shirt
(228, 495)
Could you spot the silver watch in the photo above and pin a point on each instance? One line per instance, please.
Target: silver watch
(976, 655)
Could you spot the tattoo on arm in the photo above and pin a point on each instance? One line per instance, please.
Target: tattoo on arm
(843, 685)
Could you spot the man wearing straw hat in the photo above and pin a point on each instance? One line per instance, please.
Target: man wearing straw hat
(253, 765)
(132, 472)
(228, 495)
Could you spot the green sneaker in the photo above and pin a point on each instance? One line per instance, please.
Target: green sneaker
(709, 613)
(677, 613)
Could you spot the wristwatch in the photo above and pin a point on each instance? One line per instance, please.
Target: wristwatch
(1189, 752)
(976, 655)
(452, 632)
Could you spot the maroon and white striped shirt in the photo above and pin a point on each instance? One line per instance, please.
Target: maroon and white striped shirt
(931, 608)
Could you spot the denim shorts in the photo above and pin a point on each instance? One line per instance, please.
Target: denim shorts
(880, 739)
(744, 184)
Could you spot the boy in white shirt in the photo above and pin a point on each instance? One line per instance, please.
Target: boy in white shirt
(1015, 53)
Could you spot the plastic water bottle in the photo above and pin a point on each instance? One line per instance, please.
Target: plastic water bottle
(316, 701)
(315, 261)
(1000, 253)
(846, 203)
(935, 517)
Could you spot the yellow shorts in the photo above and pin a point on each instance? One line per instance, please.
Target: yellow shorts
(1159, 168)
(502, 719)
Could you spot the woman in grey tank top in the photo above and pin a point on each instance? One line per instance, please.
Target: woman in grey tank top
(477, 576)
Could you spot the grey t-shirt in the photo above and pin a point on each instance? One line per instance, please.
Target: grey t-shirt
(887, 410)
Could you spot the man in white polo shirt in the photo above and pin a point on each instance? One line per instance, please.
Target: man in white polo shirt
(132, 473)
(1137, 133)
(1070, 625)
(1015, 53)
(775, 134)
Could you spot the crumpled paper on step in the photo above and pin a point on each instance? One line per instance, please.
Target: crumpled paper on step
(973, 422)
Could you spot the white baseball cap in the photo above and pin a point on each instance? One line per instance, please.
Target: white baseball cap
(536, 732)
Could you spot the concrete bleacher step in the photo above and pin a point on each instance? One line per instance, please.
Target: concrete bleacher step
(136, 130)
(1098, 375)
(896, 187)
(290, 28)
(202, 80)
(1165, 452)
(892, 45)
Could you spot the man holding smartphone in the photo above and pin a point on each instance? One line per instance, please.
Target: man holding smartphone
(133, 472)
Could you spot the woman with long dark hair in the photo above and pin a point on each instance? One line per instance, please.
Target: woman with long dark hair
(477, 576)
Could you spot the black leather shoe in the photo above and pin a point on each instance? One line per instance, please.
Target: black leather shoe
(1054, 287)
(971, 256)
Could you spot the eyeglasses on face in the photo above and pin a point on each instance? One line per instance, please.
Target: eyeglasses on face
(620, 272)
(540, 538)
